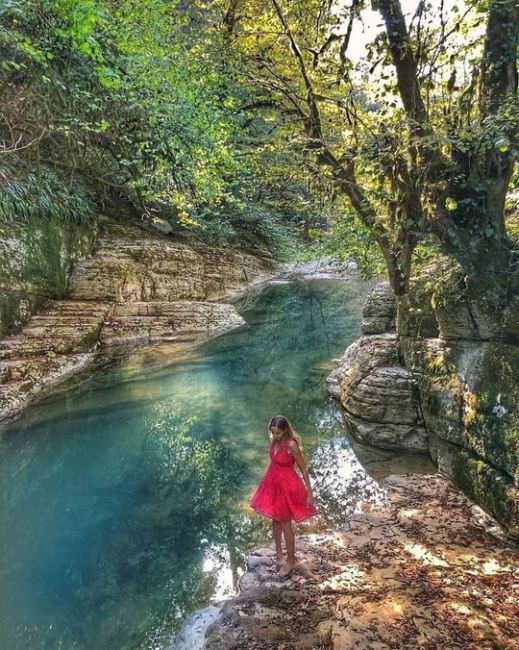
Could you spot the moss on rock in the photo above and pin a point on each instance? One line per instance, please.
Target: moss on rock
(35, 257)
(488, 487)
(468, 381)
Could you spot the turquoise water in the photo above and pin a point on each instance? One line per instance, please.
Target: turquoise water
(123, 504)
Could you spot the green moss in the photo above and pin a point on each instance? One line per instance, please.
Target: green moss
(494, 429)
(487, 487)
(469, 388)
(477, 385)
(35, 257)
(415, 314)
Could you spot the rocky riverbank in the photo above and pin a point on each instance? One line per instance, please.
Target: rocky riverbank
(429, 569)
(138, 286)
(428, 382)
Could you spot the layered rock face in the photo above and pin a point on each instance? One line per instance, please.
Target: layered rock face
(468, 378)
(457, 386)
(35, 258)
(138, 287)
(135, 265)
(379, 395)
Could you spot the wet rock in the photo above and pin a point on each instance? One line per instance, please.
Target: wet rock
(247, 580)
(193, 632)
(255, 561)
(33, 377)
(181, 320)
(264, 551)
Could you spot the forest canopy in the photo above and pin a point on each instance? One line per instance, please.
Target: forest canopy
(131, 106)
(384, 134)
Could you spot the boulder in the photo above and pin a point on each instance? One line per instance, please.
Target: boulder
(378, 395)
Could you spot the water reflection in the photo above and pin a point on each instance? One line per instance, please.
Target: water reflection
(341, 484)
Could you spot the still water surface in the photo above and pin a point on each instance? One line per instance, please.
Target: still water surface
(123, 503)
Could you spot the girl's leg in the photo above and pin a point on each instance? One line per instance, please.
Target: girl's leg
(276, 532)
(291, 547)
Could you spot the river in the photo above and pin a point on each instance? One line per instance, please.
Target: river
(124, 501)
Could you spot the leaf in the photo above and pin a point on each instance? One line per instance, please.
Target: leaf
(450, 203)
(503, 145)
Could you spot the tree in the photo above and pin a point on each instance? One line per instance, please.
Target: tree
(135, 108)
(437, 161)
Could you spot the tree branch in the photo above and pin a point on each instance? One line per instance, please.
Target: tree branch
(403, 60)
(343, 173)
(499, 65)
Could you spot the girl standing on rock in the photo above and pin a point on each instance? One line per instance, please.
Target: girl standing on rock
(281, 494)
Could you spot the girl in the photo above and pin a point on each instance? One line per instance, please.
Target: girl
(281, 494)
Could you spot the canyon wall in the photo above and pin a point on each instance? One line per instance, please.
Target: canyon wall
(138, 287)
(430, 375)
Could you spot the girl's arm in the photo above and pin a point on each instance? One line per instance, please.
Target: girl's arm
(293, 450)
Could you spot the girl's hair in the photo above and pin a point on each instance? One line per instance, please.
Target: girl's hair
(280, 422)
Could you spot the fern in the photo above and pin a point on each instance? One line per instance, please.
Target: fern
(44, 196)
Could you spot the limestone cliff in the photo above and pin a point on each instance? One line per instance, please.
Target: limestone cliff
(442, 385)
(138, 286)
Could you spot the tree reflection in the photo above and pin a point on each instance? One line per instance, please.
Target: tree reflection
(184, 501)
(341, 483)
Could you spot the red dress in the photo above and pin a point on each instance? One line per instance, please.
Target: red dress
(281, 494)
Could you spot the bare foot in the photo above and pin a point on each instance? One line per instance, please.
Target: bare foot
(280, 560)
(286, 569)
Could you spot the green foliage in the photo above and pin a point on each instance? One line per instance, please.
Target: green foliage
(253, 226)
(81, 22)
(344, 238)
(200, 113)
(415, 153)
(133, 99)
(45, 195)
